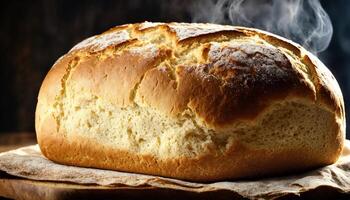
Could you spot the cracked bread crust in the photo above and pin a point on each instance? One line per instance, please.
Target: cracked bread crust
(173, 99)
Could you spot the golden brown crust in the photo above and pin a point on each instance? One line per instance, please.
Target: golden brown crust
(283, 79)
(222, 75)
(327, 89)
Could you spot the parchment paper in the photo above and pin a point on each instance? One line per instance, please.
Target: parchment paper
(28, 162)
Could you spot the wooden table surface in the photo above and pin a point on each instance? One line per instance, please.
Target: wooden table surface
(9, 141)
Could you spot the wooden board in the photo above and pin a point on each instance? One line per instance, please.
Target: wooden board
(17, 188)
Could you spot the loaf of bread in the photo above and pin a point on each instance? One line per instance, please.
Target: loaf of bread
(200, 102)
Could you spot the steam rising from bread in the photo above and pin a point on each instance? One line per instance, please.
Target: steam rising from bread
(304, 21)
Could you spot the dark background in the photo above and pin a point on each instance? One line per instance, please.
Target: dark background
(33, 34)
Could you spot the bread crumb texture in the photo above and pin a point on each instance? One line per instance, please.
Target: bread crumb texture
(181, 91)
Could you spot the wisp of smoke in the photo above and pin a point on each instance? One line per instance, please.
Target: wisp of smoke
(303, 21)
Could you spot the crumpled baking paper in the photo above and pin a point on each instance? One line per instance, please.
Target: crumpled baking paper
(29, 163)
